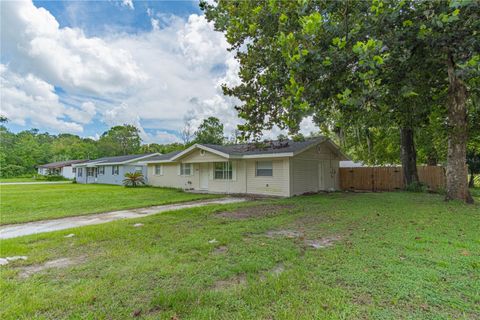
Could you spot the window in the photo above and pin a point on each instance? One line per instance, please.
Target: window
(158, 169)
(222, 170)
(74, 170)
(114, 170)
(185, 169)
(90, 172)
(101, 170)
(138, 169)
(79, 172)
(264, 169)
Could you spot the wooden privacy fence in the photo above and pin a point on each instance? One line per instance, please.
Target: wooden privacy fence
(388, 178)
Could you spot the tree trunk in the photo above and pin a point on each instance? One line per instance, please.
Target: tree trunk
(456, 172)
(408, 156)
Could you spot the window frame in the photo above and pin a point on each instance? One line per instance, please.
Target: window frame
(183, 170)
(80, 172)
(90, 172)
(115, 170)
(158, 170)
(265, 170)
(223, 169)
(101, 170)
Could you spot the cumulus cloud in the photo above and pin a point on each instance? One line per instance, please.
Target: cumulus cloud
(30, 98)
(128, 3)
(65, 57)
(149, 79)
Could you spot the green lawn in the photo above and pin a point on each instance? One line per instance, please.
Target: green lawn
(21, 203)
(5, 180)
(397, 256)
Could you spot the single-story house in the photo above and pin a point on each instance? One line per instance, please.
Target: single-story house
(62, 168)
(279, 168)
(111, 170)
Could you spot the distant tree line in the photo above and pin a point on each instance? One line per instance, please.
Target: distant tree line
(21, 152)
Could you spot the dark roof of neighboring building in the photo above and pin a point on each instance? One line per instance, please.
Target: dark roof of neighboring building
(118, 159)
(266, 147)
(60, 164)
(165, 156)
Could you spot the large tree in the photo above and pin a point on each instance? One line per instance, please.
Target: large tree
(210, 131)
(120, 140)
(375, 63)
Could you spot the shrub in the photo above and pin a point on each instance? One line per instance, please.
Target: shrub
(54, 177)
(133, 179)
(12, 170)
(416, 187)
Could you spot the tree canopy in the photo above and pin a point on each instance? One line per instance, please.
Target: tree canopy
(367, 71)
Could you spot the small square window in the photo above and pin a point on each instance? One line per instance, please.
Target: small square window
(185, 169)
(158, 169)
(264, 169)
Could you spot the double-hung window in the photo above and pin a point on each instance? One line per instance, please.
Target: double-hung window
(89, 172)
(101, 170)
(74, 170)
(185, 169)
(264, 169)
(80, 172)
(114, 170)
(223, 171)
(138, 169)
(158, 170)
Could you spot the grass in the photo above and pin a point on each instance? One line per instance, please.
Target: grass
(22, 203)
(5, 180)
(400, 256)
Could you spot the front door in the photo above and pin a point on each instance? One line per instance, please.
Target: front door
(204, 176)
(322, 171)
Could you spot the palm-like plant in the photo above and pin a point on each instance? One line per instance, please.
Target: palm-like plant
(133, 179)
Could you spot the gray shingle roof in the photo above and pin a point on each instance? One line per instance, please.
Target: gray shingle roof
(165, 156)
(118, 159)
(285, 146)
(60, 164)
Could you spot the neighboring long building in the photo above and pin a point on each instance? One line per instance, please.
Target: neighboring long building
(279, 168)
(111, 170)
(63, 168)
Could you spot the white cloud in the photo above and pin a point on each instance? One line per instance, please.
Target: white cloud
(128, 3)
(64, 57)
(149, 79)
(84, 114)
(30, 98)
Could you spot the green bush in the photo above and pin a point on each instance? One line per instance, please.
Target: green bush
(416, 187)
(11, 170)
(54, 177)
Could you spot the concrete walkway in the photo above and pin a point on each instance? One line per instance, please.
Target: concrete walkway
(32, 182)
(18, 230)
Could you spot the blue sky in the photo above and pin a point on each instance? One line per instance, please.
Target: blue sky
(84, 66)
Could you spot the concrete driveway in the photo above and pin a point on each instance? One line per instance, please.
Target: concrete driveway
(23, 229)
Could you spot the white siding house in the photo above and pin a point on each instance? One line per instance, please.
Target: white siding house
(278, 168)
(62, 168)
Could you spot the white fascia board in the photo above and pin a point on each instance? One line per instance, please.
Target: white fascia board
(268, 155)
(199, 146)
(127, 161)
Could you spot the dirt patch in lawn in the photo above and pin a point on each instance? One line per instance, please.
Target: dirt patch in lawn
(237, 280)
(263, 210)
(27, 271)
(220, 250)
(320, 243)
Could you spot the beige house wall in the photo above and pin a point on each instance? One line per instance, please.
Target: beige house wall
(310, 171)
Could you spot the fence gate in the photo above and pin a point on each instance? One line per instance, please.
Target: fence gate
(388, 178)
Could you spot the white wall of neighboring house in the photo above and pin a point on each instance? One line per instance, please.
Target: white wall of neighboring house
(67, 172)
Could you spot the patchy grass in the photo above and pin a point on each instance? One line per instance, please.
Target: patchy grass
(22, 203)
(394, 255)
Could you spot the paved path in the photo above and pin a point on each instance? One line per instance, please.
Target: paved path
(17, 230)
(44, 182)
